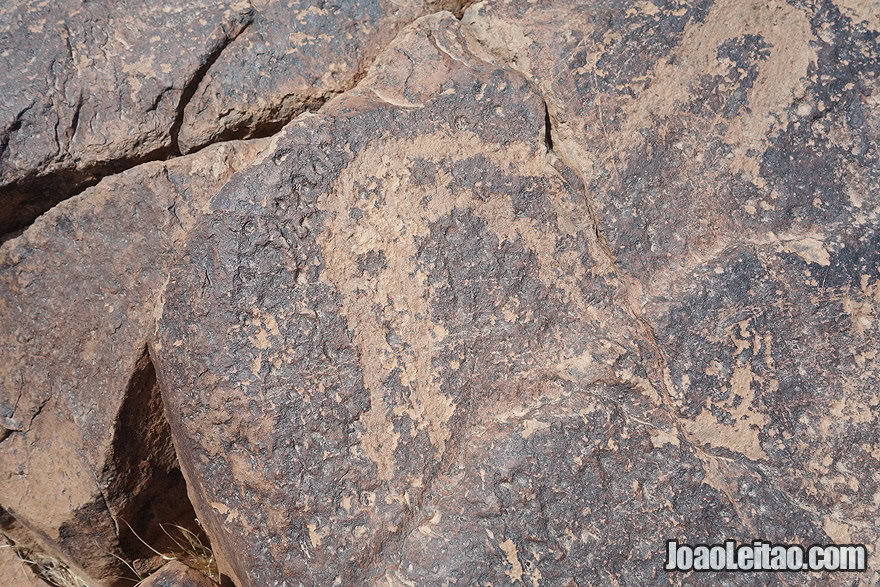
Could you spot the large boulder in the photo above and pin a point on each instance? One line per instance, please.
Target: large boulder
(402, 347)
(84, 445)
(730, 153)
(525, 295)
(91, 88)
(399, 269)
(103, 85)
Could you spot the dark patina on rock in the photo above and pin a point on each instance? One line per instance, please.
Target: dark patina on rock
(730, 152)
(92, 88)
(293, 57)
(529, 294)
(399, 351)
(396, 271)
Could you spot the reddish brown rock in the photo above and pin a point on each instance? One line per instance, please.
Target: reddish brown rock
(547, 287)
(704, 127)
(85, 448)
(177, 574)
(101, 86)
(395, 271)
(293, 57)
(399, 351)
(729, 150)
(97, 87)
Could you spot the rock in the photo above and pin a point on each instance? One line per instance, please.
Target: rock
(177, 574)
(400, 268)
(86, 448)
(704, 127)
(341, 356)
(730, 152)
(772, 362)
(513, 299)
(398, 351)
(293, 57)
(97, 87)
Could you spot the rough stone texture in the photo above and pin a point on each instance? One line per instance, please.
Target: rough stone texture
(401, 350)
(94, 87)
(398, 269)
(85, 447)
(730, 152)
(294, 56)
(101, 86)
(529, 294)
(177, 574)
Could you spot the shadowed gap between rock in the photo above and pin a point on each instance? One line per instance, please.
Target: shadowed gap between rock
(148, 490)
(24, 201)
(21, 203)
(144, 491)
(189, 90)
(548, 129)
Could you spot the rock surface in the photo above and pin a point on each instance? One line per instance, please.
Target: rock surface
(515, 297)
(731, 155)
(97, 87)
(101, 86)
(397, 267)
(85, 447)
(399, 316)
(293, 57)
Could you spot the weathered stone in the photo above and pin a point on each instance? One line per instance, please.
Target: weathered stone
(100, 87)
(710, 125)
(90, 88)
(399, 350)
(293, 57)
(730, 152)
(530, 294)
(582, 492)
(177, 574)
(85, 447)
(396, 269)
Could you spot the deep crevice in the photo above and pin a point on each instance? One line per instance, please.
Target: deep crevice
(192, 86)
(21, 203)
(142, 489)
(548, 129)
(250, 129)
(147, 493)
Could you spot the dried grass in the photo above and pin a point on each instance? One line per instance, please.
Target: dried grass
(192, 552)
(189, 549)
(49, 569)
